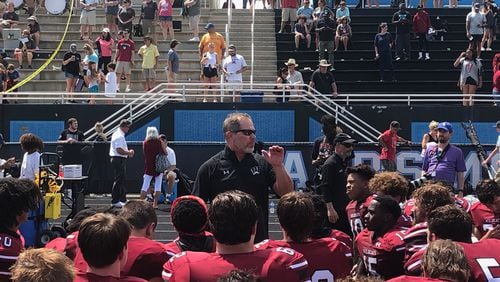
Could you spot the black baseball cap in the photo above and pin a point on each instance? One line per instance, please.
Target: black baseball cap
(395, 124)
(344, 138)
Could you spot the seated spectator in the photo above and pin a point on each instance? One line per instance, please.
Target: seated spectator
(321, 229)
(145, 257)
(17, 197)
(294, 76)
(34, 28)
(307, 11)
(301, 31)
(169, 174)
(343, 11)
(102, 239)
(3, 60)
(25, 49)
(10, 18)
(359, 193)
(189, 216)
(282, 84)
(3, 79)
(486, 212)
(295, 211)
(233, 219)
(343, 33)
(42, 265)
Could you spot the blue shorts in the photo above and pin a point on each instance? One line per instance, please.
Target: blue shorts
(94, 89)
(70, 75)
(165, 18)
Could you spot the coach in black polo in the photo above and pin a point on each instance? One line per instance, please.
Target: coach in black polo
(238, 168)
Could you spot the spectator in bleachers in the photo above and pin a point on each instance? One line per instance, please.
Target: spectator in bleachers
(496, 86)
(152, 146)
(294, 76)
(288, 13)
(489, 27)
(87, 18)
(92, 79)
(233, 66)
(32, 145)
(210, 63)
(34, 28)
(110, 82)
(13, 77)
(212, 36)
(10, 18)
(474, 25)
(437, 3)
(452, 4)
(25, 49)
(71, 66)
(343, 33)
(402, 20)
(193, 11)
(325, 31)
(369, 3)
(471, 75)
(307, 11)
(323, 80)
(316, 16)
(172, 64)
(383, 54)
(149, 16)
(90, 56)
(3, 82)
(165, 17)
(301, 31)
(283, 85)
(343, 11)
(125, 59)
(430, 137)
(111, 11)
(149, 54)
(125, 16)
(421, 25)
(42, 265)
(3, 61)
(105, 44)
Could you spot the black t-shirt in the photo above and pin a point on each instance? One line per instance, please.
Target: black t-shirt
(328, 33)
(253, 175)
(149, 10)
(34, 27)
(30, 44)
(126, 14)
(10, 16)
(72, 67)
(323, 82)
(403, 26)
(71, 152)
(383, 42)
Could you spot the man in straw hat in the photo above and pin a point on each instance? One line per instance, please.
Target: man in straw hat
(34, 28)
(323, 81)
(294, 77)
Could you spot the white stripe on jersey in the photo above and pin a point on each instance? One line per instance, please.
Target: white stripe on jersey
(8, 257)
(166, 274)
(298, 265)
(414, 265)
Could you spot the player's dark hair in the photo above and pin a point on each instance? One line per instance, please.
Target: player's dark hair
(17, 196)
(487, 190)
(389, 183)
(444, 259)
(139, 214)
(189, 215)
(320, 216)
(450, 222)
(102, 238)
(389, 205)
(295, 211)
(328, 120)
(432, 196)
(232, 217)
(76, 221)
(364, 171)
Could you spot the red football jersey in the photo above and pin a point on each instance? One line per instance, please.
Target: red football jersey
(327, 258)
(67, 246)
(91, 277)
(279, 264)
(384, 255)
(459, 202)
(356, 211)
(11, 245)
(145, 258)
(405, 278)
(342, 237)
(484, 259)
(413, 265)
(415, 239)
(483, 217)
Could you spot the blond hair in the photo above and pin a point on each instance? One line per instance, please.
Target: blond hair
(42, 265)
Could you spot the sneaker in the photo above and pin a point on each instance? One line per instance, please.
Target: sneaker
(488, 49)
(482, 49)
(118, 205)
(36, 49)
(427, 57)
(127, 89)
(398, 58)
(420, 57)
(195, 39)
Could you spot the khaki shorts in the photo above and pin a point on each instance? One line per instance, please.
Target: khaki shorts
(148, 73)
(289, 15)
(172, 78)
(110, 19)
(148, 27)
(234, 85)
(194, 21)
(123, 67)
(88, 17)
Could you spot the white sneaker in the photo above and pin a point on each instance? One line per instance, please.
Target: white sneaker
(36, 49)
(196, 38)
(488, 49)
(482, 49)
(127, 89)
(118, 205)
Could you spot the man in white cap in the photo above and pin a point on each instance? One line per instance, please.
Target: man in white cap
(323, 81)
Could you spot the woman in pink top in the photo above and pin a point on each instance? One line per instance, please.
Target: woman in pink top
(104, 44)
(165, 16)
(496, 85)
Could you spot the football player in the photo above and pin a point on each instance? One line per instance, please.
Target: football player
(321, 228)
(359, 194)
(486, 212)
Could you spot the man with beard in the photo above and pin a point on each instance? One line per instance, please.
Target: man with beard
(334, 181)
(68, 137)
(445, 162)
(323, 146)
(238, 168)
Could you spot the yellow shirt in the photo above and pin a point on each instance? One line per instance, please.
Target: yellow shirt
(217, 39)
(149, 55)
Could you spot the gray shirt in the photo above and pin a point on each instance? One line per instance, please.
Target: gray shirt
(476, 21)
(174, 60)
(194, 10)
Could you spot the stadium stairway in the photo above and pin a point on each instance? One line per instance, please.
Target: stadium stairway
(356, 72)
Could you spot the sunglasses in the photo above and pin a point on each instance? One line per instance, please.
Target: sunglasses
(246, 132)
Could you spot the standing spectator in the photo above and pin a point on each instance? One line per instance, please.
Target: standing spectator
(471, 75)
(437, 3)
(294, 77)
(343, 33)
(233, 67)
(88, 17)
(212, 36)
(421, 25)
(301, 31)
(288, 13)
(445, 162)
(317, 16)
(99, 168)
(125, 16)
(149, 54)
(149, 16)
(474, 27)
(92, 79)
(105, 44)
(283, 86)
(325, 31)
(388, 141)
(3, 82)
(489, 26)
(334, 182)
(237, 167)
(172, 64)
(343, 11)
(42, 265)
(211, 63)
(495, 151)
(110, 82)
(307, 11)
(10, 18)
(26, 49)
(119, 152)
(124, 59)
(323, 80)
(430, 137)
(90, 56)
(165, 17)
(402, 20)
(111, 11)
(71, 65)
(369, 3)
(3, 61)
(34, 28)
(70, 137)
(152, 146)
(193, 11)
(169, 173)
(13, 77)
(383, 55)
(323, 147)
(32, 145)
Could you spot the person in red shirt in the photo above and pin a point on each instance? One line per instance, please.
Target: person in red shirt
(486, 213)
(145, 257)
(388, 141)
(496, 85)
(102, 239)
(421, 24)
(152, 146)
(17, 197)
(320, 227)
(380, 245)
(288, 13)
(327, 258)
(124, 59)
(189, 216)
(233, 219)
(359, 194)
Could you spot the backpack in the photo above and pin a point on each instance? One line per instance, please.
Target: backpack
(185, 184)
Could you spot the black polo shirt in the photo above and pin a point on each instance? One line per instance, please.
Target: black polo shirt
(253, 175)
